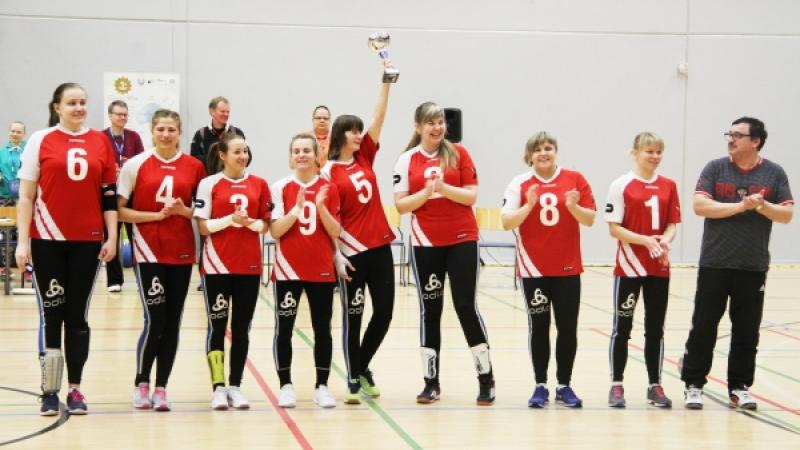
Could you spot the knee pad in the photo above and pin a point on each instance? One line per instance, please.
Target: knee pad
(428, 362)
(480, 354)
(52, 363)
(216, 363)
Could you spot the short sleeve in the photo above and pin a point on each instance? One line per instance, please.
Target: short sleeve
(674, 206)
(705, 184)
(29, 170)
(109, 161)
(277, 200)
(265, 202)
(615, 203)
(587, 197)
(333, 203)
(400, 177)
(512, 196)
(468, 172)
(202, 202)
(368, 149)
(783, 194)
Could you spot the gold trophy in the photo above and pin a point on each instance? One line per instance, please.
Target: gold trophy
(379, 43)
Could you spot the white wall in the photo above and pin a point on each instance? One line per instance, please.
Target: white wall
(594, 73)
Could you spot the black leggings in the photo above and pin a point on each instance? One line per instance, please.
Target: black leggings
(64, 273)
(374, 268)
(287, 300)
(219, 292)
(162, 290)
(460, 263)
(655, 291)
(562, 295)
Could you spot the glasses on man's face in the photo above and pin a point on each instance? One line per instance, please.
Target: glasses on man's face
(119, 114)
(322, 118)
(735, 135)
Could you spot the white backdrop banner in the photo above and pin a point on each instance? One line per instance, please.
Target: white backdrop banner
(144, 93)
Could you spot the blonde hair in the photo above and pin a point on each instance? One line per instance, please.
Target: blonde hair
(165, 114)
(540, 138)
(645, 139)
(448, 155)
(299, 136)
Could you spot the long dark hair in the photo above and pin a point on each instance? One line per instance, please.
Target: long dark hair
(342, 124)
(58, 94)
(213, 161)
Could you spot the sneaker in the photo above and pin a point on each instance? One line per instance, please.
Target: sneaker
(352, 397)
(693, 397)
(160, 402)
(49, 404)
(114, 288)
(368, 387)
(539, 398)
(430, 393)
(323, 397)
(286, 397)
(219, 400)
(76, 402)
(236, 399)
(566, 396)
(657, 397)
(741, 398)
(486, 390)
(141, 396)
(616, 396)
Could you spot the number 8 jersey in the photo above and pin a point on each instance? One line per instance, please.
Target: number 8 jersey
(149, 182)
(69, 169)
(643, 207)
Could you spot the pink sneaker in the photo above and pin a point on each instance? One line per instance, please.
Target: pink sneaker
(160, 402)
(141, 396)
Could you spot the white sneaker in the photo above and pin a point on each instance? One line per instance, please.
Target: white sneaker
(286, 397)
(159, 399)
(694, 397)
(741, 398)
(115, 288)
(141, 396)
(323, 397)
(220, 399)
(236, 398)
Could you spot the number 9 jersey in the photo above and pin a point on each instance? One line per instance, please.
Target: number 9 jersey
(643, 207)
(69, 168)
(149, 182)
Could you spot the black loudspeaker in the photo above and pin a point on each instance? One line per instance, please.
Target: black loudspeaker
(452, 116)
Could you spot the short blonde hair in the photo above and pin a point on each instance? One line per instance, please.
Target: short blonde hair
(542, 137)
(645, 139)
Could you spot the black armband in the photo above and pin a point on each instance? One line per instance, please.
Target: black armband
(108, 197)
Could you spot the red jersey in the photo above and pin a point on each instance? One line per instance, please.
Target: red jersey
(70, 169)
(235, 249)
(305, 252)
(549, 241)
(439, 221)
(364, 224)
(643, 207)
(149, 182)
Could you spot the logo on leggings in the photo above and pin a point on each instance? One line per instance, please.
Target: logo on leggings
(288, 303)
(55, 292)
(433, 283)
(539, 303)
(357, 303)
(156, 292)
(220, 308)
(627, 307)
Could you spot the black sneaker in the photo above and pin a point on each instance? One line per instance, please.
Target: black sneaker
(76, 403)
(49, 404)
(486, 392)
(431, 392)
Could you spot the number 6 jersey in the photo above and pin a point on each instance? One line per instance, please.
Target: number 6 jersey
(643, 207)
(69, 169)
(149, 182)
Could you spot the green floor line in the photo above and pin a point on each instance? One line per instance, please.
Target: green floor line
(371, 403)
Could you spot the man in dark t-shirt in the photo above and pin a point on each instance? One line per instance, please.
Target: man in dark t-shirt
(740, 197)
(219, 109)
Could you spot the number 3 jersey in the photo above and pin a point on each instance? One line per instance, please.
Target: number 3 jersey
(69, 169)
(149, 182)
(305, 252)
(643, 207)
(235, 249)
(364, 224)
(549, 241)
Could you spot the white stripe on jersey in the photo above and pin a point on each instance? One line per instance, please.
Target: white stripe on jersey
(418, 237)
(285, 271)
(638, 269)
(141, 250)
(349, 245)
(44, 222)
(211, 261)
(527, 268)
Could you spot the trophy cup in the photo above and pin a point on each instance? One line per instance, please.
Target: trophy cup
(379, 43)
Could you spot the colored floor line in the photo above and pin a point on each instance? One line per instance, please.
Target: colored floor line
(290, 423)
(371, 403)
(63, 417)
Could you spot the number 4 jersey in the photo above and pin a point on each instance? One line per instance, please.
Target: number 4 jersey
(69, 169)
(643, 207)
(549, 242)
(149, 182)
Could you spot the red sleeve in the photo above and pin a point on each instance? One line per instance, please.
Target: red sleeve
(368, 149)
(109, 162)
(265, 202)
(333, 202)
(674, 211)
(469, 175)
(587, 198)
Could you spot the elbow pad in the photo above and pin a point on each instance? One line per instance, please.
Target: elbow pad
(108, 197)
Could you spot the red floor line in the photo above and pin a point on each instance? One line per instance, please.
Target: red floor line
(290, 423)
(712, 378)
(783, 334)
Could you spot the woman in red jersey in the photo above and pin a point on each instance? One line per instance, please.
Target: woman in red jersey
(436, 181)
(305, 223)
(642, 212)
(156, 189)
(61, 165)
(233, 210)
(548, 205)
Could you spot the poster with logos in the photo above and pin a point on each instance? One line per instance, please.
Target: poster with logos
(144, 93)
